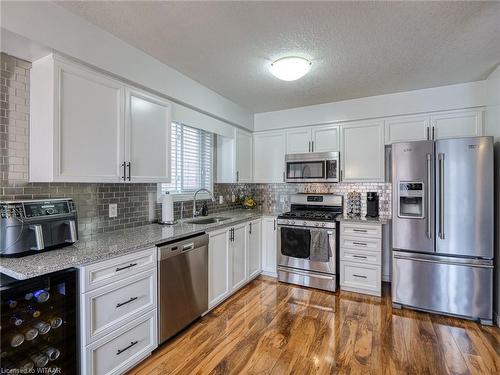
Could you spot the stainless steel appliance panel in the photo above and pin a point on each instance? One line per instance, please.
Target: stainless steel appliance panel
(464, 197)
(182, 284)
(454, 286)
(312, 167)
(413, 162)
(307, 278)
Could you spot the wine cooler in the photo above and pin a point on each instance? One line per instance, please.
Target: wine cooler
(38, 324)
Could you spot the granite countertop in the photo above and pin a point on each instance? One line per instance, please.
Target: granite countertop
(108, 245)
(362, 219)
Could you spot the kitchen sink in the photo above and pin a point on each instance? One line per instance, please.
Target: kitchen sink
(208, 220)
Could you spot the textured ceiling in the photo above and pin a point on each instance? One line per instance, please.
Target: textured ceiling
(358, 48)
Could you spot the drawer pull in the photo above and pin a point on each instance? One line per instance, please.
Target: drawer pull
(359, 256)
(360, 243)
(359, 276)
(132, 299)
(124, 268)
(120, 351)
(360, 230)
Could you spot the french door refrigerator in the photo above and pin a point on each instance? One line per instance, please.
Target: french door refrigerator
(443, 202)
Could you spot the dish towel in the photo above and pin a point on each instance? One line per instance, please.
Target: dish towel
(320, 246)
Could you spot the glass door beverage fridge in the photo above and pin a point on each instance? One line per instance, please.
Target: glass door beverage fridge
(38, 324)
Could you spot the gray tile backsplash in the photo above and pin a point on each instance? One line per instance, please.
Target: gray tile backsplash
(136, 202)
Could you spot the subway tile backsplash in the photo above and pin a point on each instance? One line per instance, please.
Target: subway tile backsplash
(136, 202)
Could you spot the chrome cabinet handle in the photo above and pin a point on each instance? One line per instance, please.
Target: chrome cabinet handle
(433, 133)
(132, 299)
(250, 229)
(312, 146)
(359, 276)
(429, 208)
(359, 256)
(428, 133)
(441, 196)
(129, 170)
(124, 166)
(360, 243)
(40, 245)
(283, 176)
(309, 146)
(274, 224)
(360, 230)
(237, 176)
(124, 268)
(132, 343)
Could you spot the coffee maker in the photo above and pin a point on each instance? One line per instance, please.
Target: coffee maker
(371, 204)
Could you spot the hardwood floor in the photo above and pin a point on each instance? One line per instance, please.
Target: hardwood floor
(275, 328)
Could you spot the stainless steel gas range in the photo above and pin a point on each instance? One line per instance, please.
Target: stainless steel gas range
(307, 241)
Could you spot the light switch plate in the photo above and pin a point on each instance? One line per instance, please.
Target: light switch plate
(233, 198)
(221, 199)
(113, 210)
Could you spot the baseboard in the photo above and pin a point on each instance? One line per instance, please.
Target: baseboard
(496, 318)
(270, 274)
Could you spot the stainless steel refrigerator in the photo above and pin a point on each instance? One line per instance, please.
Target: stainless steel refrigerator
(442, 235)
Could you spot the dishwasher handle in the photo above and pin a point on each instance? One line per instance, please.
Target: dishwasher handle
(189, 243)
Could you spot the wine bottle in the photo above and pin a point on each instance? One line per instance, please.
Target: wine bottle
(16, 320)
(41, 296)
(26, 366)
(32, 312)
(12, 303)
(55, 321)
(39, 359)
(28, 296)
(30, 334)
(51, 352)
(42, 327)
(17, 340)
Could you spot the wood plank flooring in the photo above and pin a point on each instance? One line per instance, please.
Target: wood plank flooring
(275, 328)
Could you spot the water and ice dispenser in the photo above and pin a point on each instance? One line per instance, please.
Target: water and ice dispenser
(411, 200)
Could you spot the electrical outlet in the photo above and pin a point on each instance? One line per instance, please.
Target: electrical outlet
(233, 198)
(113, 210)
(221, 199)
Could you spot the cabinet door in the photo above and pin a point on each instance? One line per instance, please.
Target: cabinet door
(243, 144)
(239, 256)
(269, 157)
(218, 267)
(298, 141)
(254, 248)
(325, 138)
(88, 125)
(363, 151)
(269, 242)
(457, 124)
(147, 137)
(407, 129)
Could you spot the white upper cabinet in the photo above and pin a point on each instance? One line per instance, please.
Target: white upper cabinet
(147, 137)
(243, 142)
(325, 138)
(362, 156)
(298, 141)
(312, 139)
(407, 129)
(457, 124)
(88, 127)
(269, 156)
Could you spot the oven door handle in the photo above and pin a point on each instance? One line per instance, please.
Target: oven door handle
(329, 230)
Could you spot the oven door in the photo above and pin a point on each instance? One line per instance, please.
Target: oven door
(295, 253)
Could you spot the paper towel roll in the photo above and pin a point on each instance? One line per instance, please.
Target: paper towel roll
(167, 209)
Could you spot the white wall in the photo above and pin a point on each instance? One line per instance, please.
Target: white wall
(463, 95)
(54, 27)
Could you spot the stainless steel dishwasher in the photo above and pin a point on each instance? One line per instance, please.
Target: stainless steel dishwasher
(182, 283)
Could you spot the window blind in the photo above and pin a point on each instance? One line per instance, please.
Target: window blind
(192, 160)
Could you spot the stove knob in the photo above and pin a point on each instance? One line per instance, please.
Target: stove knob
(304, 223)
(316, 224)
(292, 222)
(323, 224)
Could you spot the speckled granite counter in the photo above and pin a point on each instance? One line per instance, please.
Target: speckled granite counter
(112, 244)
(362, 219)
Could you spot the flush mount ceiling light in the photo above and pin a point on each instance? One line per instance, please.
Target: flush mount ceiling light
(290, 68)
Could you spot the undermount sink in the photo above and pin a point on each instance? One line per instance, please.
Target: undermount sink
(208, 220)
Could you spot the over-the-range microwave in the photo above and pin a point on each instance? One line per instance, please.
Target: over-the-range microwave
(312, 167)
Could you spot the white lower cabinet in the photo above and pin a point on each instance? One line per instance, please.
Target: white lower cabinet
(118, 317)
(233, 259)
(361, 258)
(269, 243)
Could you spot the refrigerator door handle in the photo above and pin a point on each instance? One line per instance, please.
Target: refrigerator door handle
(441, 196)
(429, 194)
(454, 262)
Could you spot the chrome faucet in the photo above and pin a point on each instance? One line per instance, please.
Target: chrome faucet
(197, 212)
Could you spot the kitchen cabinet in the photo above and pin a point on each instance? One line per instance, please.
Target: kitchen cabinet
(363, 151)
(407, 129)
(238, 255)
(312, 139)
(269, 246)
(218, 266)
(457, 124)
(234, 158)
(88, 127)
(269, 156)
(147, 137)
(254, 245)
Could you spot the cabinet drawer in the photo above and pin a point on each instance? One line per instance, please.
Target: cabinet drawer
(361, 230)
(103, 273)
(361, 243)
(365, 257)
(117, 303)
(359, 277)
(116, 353)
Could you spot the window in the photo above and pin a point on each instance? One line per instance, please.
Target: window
(192, 160)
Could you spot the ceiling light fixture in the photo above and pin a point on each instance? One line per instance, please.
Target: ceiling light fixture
(290, 68)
